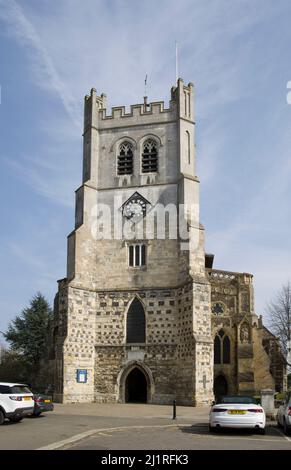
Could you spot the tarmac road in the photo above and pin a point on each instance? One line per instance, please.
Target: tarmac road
(111, 427)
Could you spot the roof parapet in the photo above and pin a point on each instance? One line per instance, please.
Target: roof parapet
(140, 109)
(156, 107)
(227, 276)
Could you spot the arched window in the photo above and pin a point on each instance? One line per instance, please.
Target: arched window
(135, 323)
(217, 350)
(149, 157)
(221, 348)
(226, 350)
(125, 159)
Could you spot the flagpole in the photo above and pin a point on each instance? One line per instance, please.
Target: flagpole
(145, 85)
(176, 48)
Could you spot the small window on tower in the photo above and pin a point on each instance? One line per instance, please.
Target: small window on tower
(188, 146)
(150, 157)
(125, 159)
(137, 255)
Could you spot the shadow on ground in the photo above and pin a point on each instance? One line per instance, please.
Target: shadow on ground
(202, 428)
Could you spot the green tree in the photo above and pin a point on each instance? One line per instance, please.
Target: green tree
(14, 368)
(27, 334)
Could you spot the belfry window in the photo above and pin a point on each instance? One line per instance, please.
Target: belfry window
(137, 255)
(150, 157)
(221, 348)
(125, 159)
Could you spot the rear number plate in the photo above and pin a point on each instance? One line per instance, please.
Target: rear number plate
(26, 398)
(236, 412)
(46, 401)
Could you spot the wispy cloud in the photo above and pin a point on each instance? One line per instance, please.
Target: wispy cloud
(25, 33)
(73, 48)
(45, 177)
(271, 199)
(29, 259)
(230, 51)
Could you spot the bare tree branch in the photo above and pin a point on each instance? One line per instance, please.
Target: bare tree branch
(279, 319)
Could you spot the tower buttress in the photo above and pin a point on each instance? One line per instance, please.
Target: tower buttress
(92, 105)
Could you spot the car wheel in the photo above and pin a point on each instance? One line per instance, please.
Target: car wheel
(2, 417)
(286, 428)
(261, 431)
(16, 419)
(212, 429)
(37, 414)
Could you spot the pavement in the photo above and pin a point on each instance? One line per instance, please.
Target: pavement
(130, 426)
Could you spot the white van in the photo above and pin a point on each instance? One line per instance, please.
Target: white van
(16, 401)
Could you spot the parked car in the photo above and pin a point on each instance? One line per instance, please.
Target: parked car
(237, 412)
(42, 403)
(284, 414)
(16, 401)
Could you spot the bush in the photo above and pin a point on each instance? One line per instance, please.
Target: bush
(257, 399)
(280, 395)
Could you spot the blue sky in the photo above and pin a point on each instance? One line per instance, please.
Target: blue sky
(237, 53)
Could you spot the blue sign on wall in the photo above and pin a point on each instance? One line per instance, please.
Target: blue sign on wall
(82, 375)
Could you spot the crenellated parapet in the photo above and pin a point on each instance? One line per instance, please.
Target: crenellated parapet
(217, 275)
(136, 110)
(180, 106)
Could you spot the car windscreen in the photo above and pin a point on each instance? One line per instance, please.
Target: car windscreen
(236, 399)
(19, 389)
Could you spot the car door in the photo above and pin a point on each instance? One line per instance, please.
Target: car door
(5, 402)
(287, 404)
(284, 408)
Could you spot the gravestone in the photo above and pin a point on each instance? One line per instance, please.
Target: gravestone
(268, 403)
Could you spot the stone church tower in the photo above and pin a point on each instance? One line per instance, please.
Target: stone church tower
(133, 315)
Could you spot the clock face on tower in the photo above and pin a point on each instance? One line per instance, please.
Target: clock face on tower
(135, 207)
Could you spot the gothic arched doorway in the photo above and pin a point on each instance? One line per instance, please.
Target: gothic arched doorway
(220, 386)
(136, 387)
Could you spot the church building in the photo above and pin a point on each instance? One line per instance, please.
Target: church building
(142, 316)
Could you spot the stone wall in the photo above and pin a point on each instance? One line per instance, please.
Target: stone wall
(169, 352)
(251, 368)
(75, 349)
(177, 363)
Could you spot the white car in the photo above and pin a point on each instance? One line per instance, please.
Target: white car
(16, 401)
(237, 412)
(284, 414)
